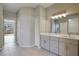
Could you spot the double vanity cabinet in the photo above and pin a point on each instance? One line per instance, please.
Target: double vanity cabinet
(59, 46)
(63, 39)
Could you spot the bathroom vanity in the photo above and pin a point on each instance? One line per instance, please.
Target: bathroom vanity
(63, 39)
(60, 44)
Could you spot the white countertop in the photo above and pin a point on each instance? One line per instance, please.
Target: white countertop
(67, 36)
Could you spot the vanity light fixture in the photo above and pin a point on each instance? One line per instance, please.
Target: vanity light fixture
(60, 15)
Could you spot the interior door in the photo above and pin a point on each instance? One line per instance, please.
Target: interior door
(1, 28)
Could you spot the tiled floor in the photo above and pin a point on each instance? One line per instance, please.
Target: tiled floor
(11, 49)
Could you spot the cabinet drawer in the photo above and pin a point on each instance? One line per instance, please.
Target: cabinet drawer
(54, 38)
(44, 37)
(62, 40)
(74, 42)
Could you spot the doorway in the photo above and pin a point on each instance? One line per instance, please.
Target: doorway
(9, 33)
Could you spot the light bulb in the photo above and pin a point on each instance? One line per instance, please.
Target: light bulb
(64, 15)
(56, 17)
(53, 17)
(60, 16)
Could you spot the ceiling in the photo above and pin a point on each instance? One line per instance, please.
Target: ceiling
(14, 7)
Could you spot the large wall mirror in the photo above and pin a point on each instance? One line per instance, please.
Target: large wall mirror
(73, 24)
(68, 24)
(55, 26)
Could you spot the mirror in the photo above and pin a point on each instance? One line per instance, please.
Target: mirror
(73, 24)
(56, 26)
(68, 24)
(59, 25)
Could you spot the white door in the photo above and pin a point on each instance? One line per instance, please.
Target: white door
(1, 28)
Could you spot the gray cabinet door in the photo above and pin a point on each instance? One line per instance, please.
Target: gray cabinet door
(68, 47)
(54, 45)
(1, 28)
(62, 47)
(45, 42)
(72, 47)
(42, 41)
(72, 50)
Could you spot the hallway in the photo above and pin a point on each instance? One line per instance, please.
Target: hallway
(9, 40)
(11, 49)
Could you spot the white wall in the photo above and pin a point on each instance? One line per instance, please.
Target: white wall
(25, 27)
(39, 23)
(42, 19)
(37, 26)
(9, 15)
(30, 23)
